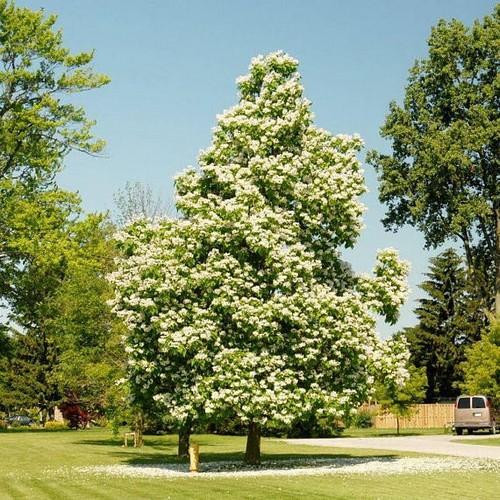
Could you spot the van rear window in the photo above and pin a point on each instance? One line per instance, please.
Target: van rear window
(478, 403)
(463, 403)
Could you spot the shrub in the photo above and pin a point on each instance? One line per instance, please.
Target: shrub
(229, 426)
(309, 426)
(15, 425)
(77, 416)
(3, 425)
(158, 424)
(315, 427)
(101, 421)
(114, 424)
(53, 425)
(363, 419)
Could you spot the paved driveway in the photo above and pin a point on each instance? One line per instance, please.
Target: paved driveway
(440, 444)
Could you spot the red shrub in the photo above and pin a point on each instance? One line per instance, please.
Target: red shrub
(77, 416)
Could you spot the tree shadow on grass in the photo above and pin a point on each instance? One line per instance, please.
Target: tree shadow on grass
(152, 459)
(155, 443)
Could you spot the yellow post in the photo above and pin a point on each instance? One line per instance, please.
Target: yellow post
(194, 458)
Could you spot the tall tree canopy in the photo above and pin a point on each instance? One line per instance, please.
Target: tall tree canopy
(244, 306)
(38, 123)
(38, 126)
(443, 174)
(450, 320)
(43, 235)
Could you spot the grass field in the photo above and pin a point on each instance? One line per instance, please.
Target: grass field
(485, 442)
(39, 466)
(372, 432)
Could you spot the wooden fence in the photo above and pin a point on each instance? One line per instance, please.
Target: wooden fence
(426, 416)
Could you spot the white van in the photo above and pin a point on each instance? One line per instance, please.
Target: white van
(474, 412)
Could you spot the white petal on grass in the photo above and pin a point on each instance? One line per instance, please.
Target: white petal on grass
(299, 467)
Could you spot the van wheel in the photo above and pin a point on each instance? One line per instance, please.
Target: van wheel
(459, 432)
(469, 431)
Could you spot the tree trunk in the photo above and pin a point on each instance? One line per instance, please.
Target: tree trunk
(252, 453)
(43, 415)
(497, 263)
(184, 435)
(139, 429)
(397, 425)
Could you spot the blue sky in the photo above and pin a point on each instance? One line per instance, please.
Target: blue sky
(173, 64)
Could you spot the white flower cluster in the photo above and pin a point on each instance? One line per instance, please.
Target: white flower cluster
(244, 306)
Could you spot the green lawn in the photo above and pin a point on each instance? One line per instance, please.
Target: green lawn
(39, 466)
(485, 442)
(372, 432)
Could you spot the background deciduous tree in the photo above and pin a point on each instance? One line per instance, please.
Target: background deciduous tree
(39, 125)
(481, 368)
(40, 227)
(400, 400)
(64, 334)
(88, 337)
(138, 201)
(443, 174)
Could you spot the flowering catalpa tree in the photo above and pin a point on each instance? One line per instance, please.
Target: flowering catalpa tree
(244, 306)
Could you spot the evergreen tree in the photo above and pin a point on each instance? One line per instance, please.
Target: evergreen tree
(450, 319)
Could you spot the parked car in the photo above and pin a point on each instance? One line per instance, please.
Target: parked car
(17, 420)
(473, 413)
